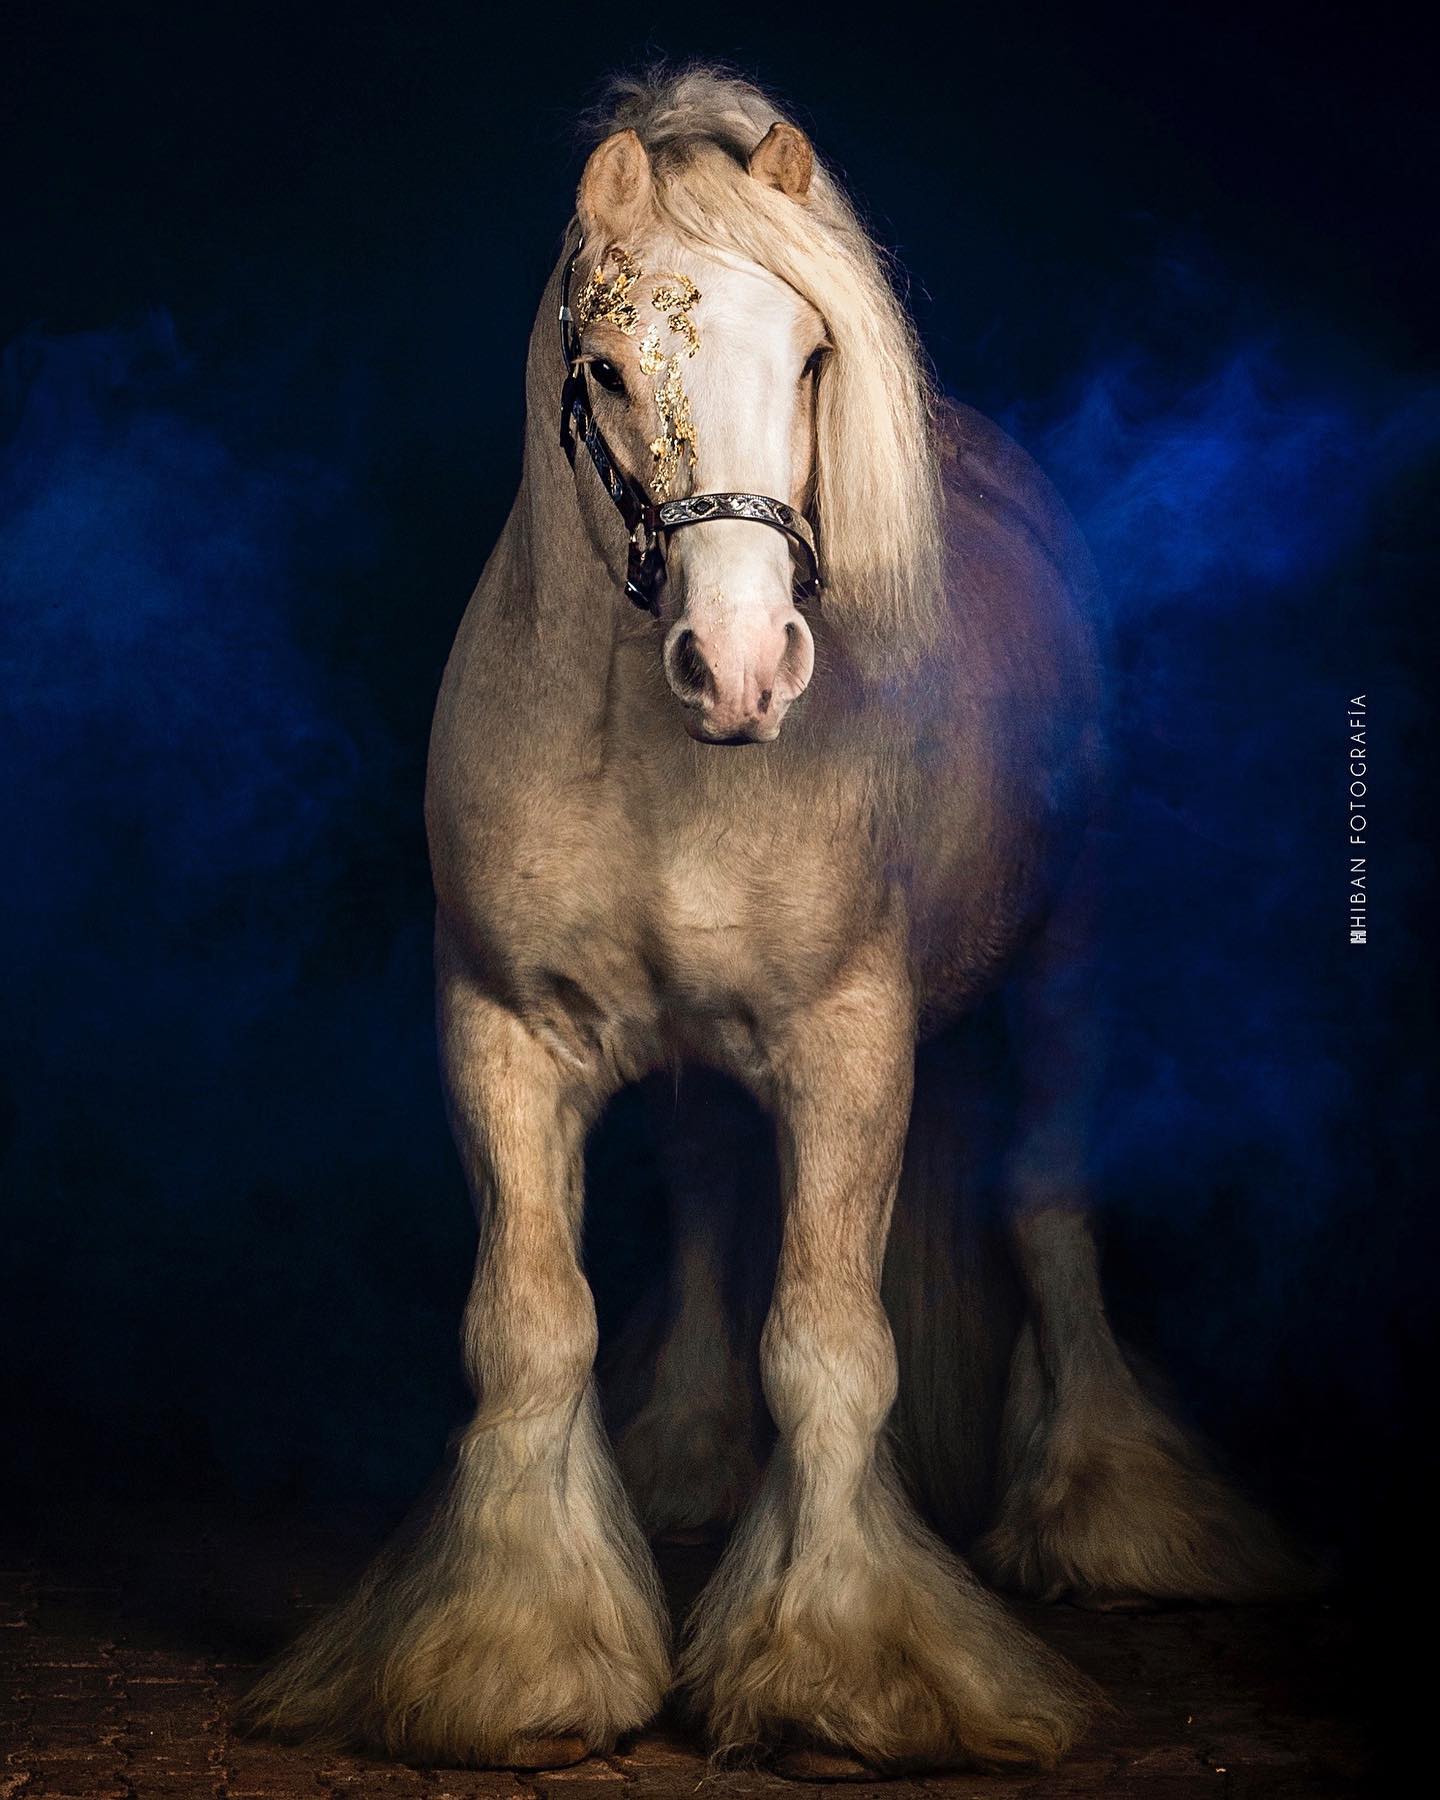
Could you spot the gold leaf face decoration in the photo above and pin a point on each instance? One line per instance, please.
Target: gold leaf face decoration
(652, 357)
(677, 428)
(602, 299)
(675, 303)
(608, 298)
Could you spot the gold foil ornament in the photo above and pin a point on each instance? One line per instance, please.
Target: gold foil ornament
(608, 297)
(602, 299)
(675, 303)
(677, 428)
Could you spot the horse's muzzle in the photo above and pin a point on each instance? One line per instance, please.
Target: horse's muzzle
(737, 674)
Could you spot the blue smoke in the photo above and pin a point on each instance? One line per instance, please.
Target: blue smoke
(209, 1068)
(1253, 512)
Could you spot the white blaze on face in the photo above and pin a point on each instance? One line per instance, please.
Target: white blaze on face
(738, 652)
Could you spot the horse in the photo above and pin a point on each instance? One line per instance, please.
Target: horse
(770, 747)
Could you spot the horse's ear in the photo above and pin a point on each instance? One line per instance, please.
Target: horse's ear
(614, 188)
(783, 159)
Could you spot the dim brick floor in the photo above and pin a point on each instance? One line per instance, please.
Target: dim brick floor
(124, 1644)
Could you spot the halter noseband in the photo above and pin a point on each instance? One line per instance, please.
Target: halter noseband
(648, 524)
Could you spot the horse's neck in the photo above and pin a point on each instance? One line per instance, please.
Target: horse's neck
(554, 612)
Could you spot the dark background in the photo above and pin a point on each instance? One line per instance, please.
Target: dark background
(269, 274)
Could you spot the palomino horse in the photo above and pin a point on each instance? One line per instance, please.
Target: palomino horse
(756, 528)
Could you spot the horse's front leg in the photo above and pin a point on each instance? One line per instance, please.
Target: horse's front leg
(835, 1619)
(518, 1621)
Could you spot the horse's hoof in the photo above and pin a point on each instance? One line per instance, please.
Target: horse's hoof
(545, 1752)
(1111, 1600)
(806, 1762)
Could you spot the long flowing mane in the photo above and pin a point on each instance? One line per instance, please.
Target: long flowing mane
(877, 490)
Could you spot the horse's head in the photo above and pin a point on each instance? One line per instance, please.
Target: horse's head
(702, 370)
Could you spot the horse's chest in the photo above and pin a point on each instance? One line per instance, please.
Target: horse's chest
(741, 924)
(655, 929)
(705, 926)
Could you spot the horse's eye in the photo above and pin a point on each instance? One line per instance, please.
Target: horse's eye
(814, 362)
(608, 376)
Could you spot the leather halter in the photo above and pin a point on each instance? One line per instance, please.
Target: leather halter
(649, 525)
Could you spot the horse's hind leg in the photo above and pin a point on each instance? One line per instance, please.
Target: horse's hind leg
(1104, 1499)
(835, 1617)
(520, 1620)
(688, 1449)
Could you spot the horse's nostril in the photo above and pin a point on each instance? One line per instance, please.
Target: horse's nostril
(797, 661)
(687, 666)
